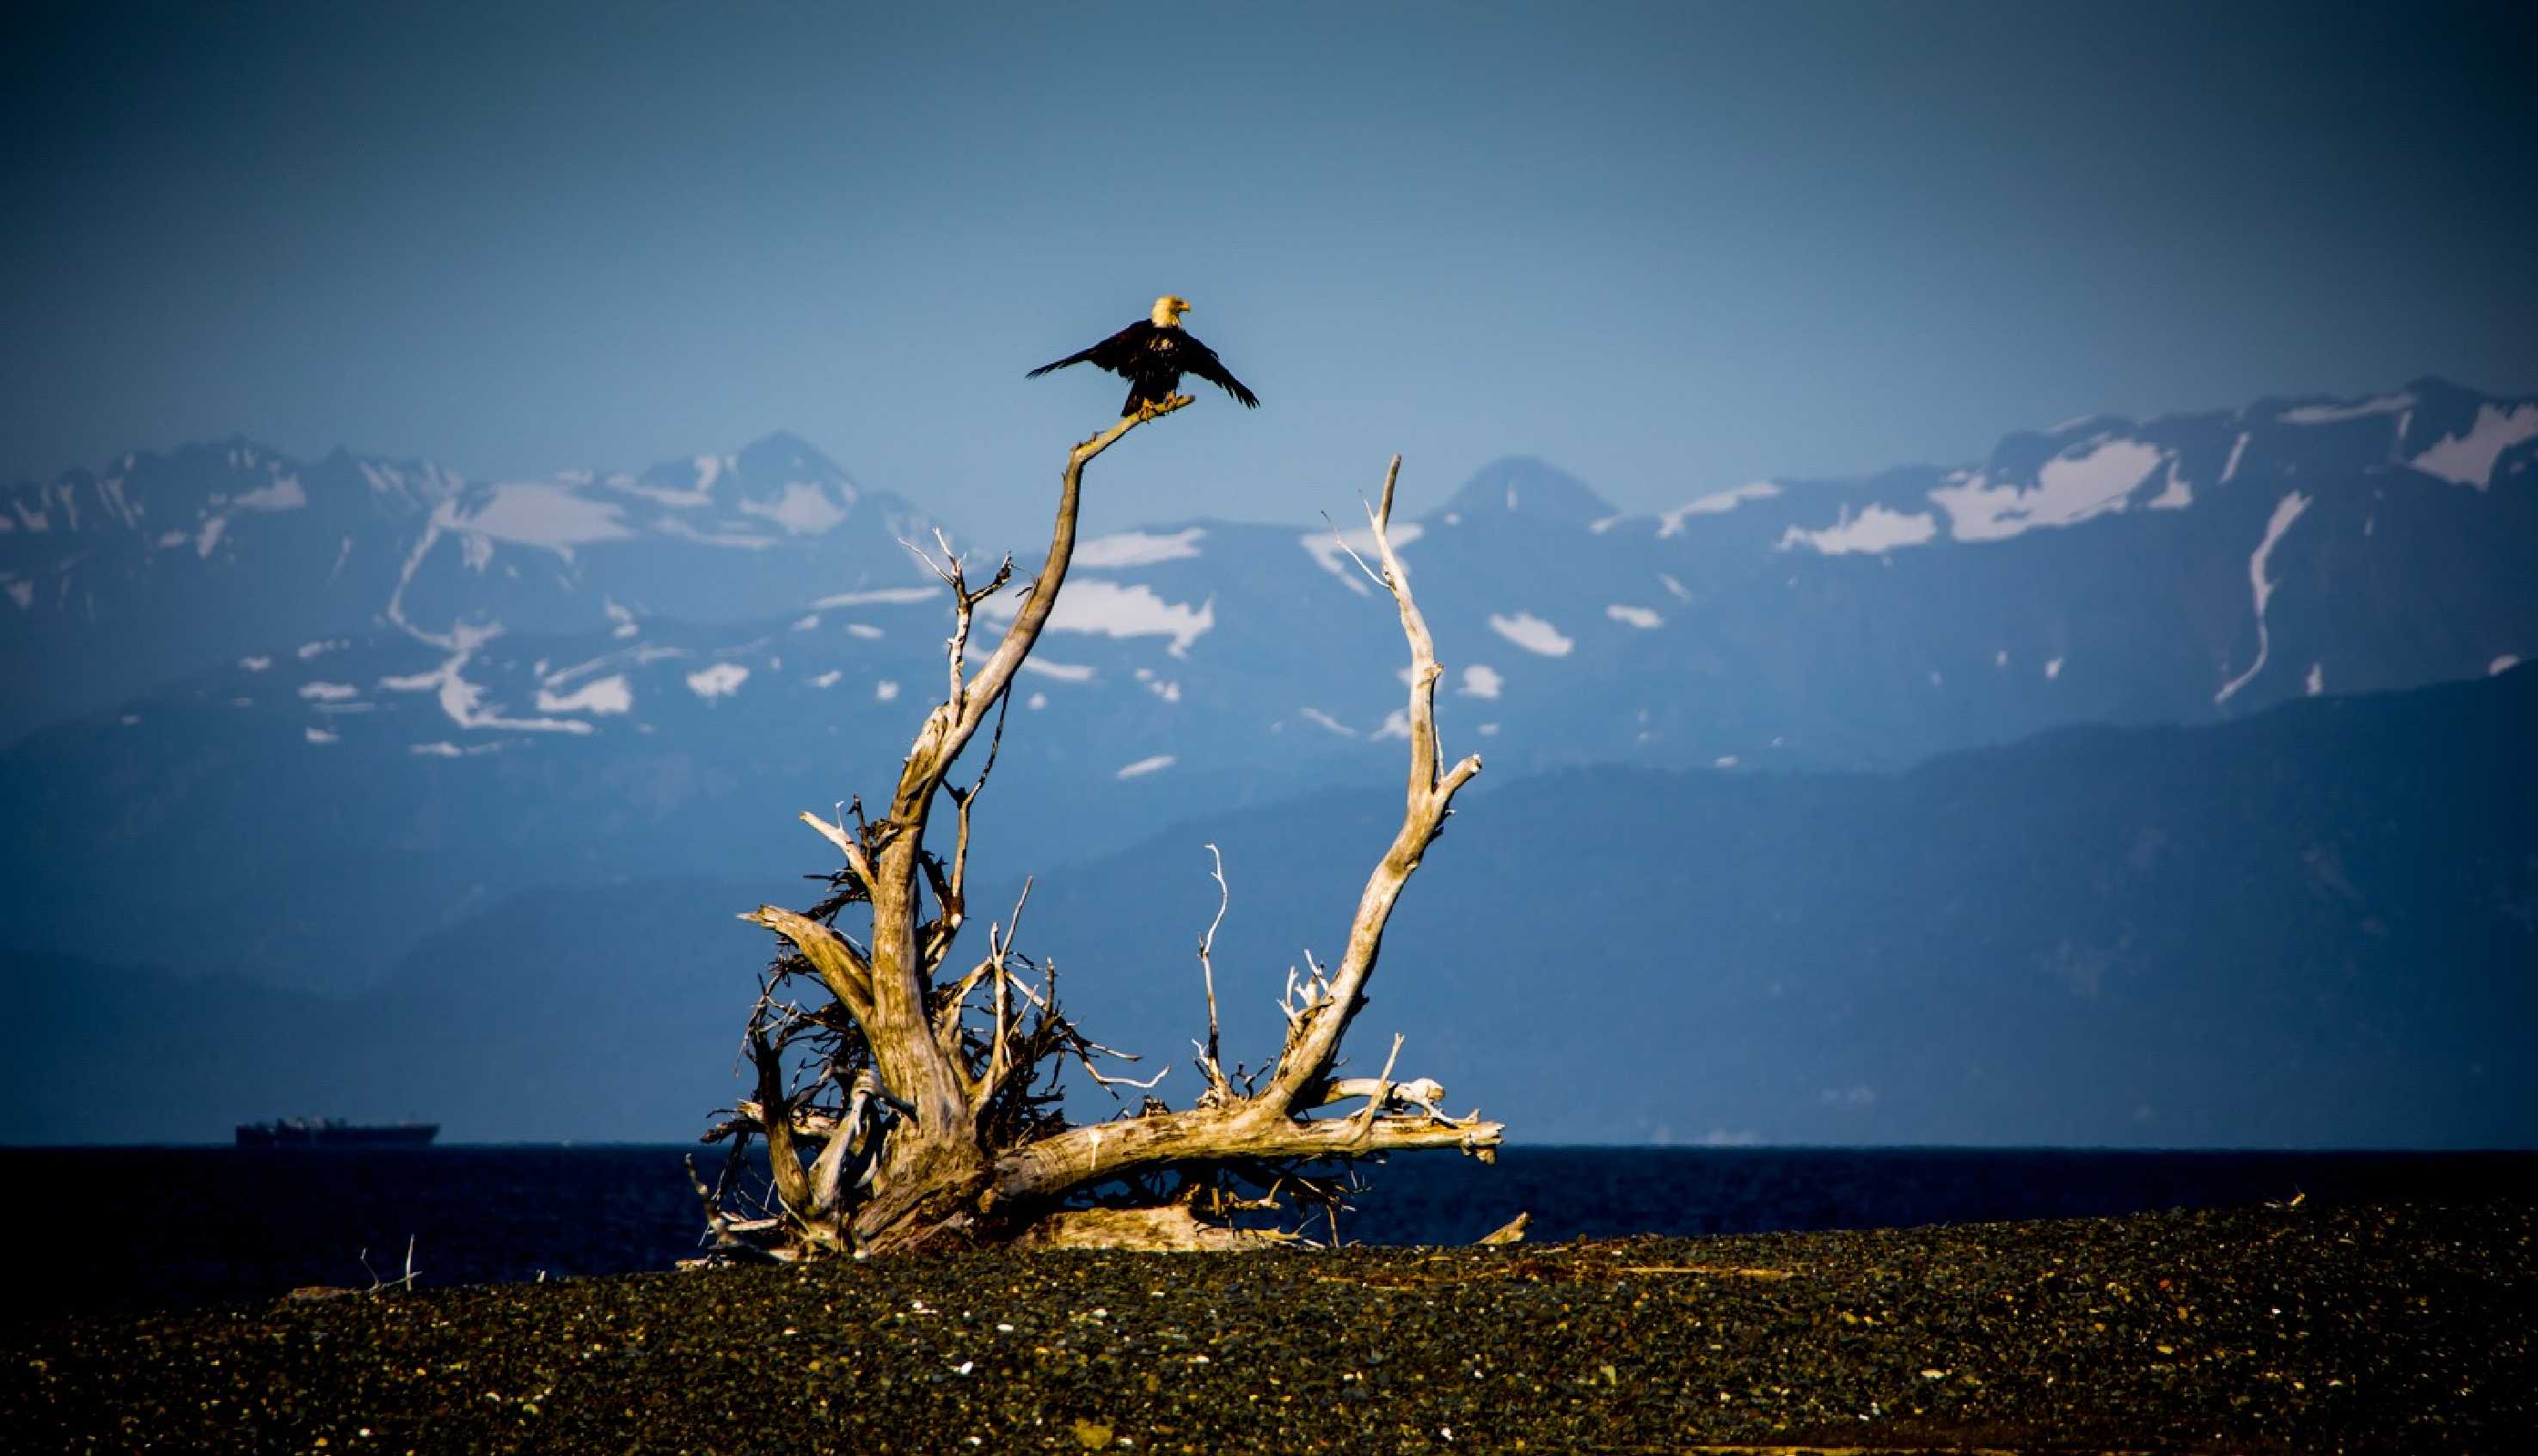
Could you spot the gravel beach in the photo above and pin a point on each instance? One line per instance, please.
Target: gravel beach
(2396, 1327)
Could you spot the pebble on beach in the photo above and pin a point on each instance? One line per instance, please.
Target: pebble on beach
(2272, 1329)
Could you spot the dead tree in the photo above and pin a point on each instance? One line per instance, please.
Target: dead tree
(907, 1103)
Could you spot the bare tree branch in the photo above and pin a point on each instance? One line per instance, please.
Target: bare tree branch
(1089, 1155)
(847, 974)
(1210, 1061)
(1431, 797)
(1382, 1089)
(911, 1063)
(1270, 1124)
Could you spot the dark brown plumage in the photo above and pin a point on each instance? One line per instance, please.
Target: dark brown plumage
(1151, 354)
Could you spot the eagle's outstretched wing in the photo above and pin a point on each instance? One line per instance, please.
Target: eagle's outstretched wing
(1115, 354)
(1202, 362)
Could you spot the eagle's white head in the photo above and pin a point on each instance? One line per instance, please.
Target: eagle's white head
(1168, 311)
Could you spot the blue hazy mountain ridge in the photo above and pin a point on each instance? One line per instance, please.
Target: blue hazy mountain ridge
(2311, 926)
(164, 566)
(519, 710)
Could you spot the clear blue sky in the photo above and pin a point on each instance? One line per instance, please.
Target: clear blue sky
(1670, 249)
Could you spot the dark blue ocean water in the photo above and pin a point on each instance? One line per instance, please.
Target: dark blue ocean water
(144, 1228)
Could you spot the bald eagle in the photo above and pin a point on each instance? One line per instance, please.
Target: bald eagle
(1151, 354)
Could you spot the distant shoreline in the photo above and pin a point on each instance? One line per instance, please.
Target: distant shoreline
(2376, 1327)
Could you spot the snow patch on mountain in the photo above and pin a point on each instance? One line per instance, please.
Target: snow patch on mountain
(801, 508)
(1717, 502)
(556, 680)
(2176, 494)
(670, 496)
(1094, 604)
(880, 596)
(2286, 511)
(1875, 531)
(284, 493)
(1532, 633)
(463, 701)
(722, 679)
(2069, 489)
(540, 514)
(2379, 404)
(735, 540)
(2468, 459)
(2237, 452)
(1138, 549)
(601, 697)
(1317, 716)
(459, 639)
(126, 509)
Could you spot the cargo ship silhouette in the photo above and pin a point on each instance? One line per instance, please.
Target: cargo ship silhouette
(331, 1132)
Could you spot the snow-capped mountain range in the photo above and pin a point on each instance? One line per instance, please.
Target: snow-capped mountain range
(112, 582)
(461, 683)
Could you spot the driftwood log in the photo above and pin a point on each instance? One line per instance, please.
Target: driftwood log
(905, 1100)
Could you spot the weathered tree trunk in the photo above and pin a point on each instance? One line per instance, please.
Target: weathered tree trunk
(897, 1113)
